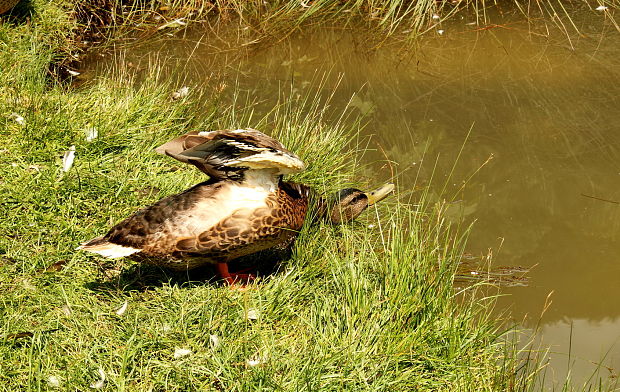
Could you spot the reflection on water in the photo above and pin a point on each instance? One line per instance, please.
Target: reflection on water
(535, 125)
(594, 348)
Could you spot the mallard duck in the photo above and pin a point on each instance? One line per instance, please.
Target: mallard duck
(244, 207)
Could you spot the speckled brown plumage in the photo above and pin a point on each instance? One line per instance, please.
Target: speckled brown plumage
(264, 228)
(155, 229)
(6, 5)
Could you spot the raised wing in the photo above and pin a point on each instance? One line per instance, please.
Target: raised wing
(225, 154)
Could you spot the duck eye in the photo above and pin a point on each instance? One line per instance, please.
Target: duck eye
(358, 198)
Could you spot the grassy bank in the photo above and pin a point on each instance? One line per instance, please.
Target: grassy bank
(98, 20)
(273, 17)
(368, 306)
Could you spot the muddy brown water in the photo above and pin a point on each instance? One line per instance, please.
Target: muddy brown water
(533, 115)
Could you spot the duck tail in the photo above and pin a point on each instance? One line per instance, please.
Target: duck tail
(106, 248)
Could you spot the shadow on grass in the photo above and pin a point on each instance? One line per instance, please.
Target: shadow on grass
(144, 277)
(21, 13)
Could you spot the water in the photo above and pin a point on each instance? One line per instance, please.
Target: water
(532, 115)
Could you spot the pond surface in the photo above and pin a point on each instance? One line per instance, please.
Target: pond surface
(536, 114)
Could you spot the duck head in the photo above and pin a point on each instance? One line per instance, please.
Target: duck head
(347, 204)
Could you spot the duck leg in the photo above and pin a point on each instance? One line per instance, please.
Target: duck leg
(231, 279)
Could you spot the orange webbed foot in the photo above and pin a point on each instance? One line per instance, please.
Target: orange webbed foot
(236, 281)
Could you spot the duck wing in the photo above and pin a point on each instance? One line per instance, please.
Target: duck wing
(247, 231)
(198, 226)
(155, 229)
(227, 154)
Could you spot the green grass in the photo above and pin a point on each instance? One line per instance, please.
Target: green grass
(407, 19)
(274, 18)
(367, 306)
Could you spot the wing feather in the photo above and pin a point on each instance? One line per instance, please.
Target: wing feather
(224, 154)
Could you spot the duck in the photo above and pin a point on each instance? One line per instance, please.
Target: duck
(244, 207)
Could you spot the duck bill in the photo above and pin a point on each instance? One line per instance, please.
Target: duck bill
(379, 194)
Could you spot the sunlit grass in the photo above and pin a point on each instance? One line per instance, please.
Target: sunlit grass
(367, 306)
(358, 307)
(276, 19)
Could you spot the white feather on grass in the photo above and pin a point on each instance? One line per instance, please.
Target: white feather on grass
(122, 309)
(53, 382)
(68, 158)
(215, 341)
(101, 382)
(91, 133)
(180, 93)
(252, 314)
(18, 119)
(181, 352)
